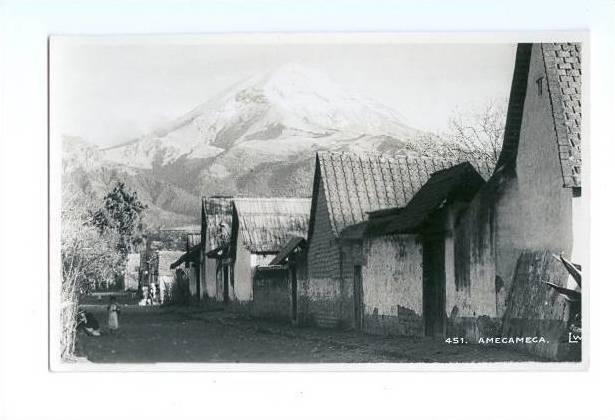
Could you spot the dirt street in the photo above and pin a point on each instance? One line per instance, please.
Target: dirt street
(196, 335)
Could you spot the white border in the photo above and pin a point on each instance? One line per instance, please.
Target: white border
(294, 39)
(27, 388)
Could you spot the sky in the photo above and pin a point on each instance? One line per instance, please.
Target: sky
(109, 91)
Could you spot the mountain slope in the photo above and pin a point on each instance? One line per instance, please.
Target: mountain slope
(85, 171)
(258, 137)
(264, 130)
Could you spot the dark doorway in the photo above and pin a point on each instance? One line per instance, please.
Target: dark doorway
(293, 292)
(225, 281)
(358, 297)
(434, 286)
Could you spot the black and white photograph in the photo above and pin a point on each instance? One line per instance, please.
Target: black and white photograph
(312, 199)
(276, 209)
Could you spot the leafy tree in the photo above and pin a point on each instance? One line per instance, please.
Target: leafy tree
(122, 213)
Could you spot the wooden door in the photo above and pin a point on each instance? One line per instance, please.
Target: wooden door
(358, 297)
(434, 286)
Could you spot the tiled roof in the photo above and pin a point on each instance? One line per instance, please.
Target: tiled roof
(264, 225)
(563, 65)
(460, 182)
(355, 185)
(216, 210)
(287, 249)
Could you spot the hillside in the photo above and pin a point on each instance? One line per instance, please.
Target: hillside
(258, 137)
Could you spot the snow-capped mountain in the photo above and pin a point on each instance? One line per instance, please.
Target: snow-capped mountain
(258, 137)
(288, 111)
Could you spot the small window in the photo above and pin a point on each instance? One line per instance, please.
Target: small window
(539, 85)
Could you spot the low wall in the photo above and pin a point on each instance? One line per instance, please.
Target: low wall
(271, 293)
(319, 303)
(406, 323)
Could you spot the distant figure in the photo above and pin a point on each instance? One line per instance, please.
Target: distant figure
(87, 322)
(145, 298)
(113, 311)
(152, 294)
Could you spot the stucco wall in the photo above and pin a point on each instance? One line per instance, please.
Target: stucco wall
(351, 255)
(242, 275)
(271, 294)
(471, 275)
(243, 272)
(322, 290)
(580, 245)
(393, 285)
(220, 282)
(210, 284)
(191, 270)
(536, 214)
(523, 207)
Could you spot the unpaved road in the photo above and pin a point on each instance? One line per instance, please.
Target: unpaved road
(196, 335)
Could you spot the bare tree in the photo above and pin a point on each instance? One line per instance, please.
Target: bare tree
(474, 136)
(478, 135)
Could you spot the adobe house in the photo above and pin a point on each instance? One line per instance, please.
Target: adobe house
(346, 188)
(162, 273)
(409, 259)
(216, 215)
(289, 264)
(260, 227)
(531, 205)
(191, 261)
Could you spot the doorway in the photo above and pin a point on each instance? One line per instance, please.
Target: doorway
(225, 283)
(434, 292)
(358, 297)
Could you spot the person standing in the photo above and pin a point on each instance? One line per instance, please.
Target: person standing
(113, 315)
